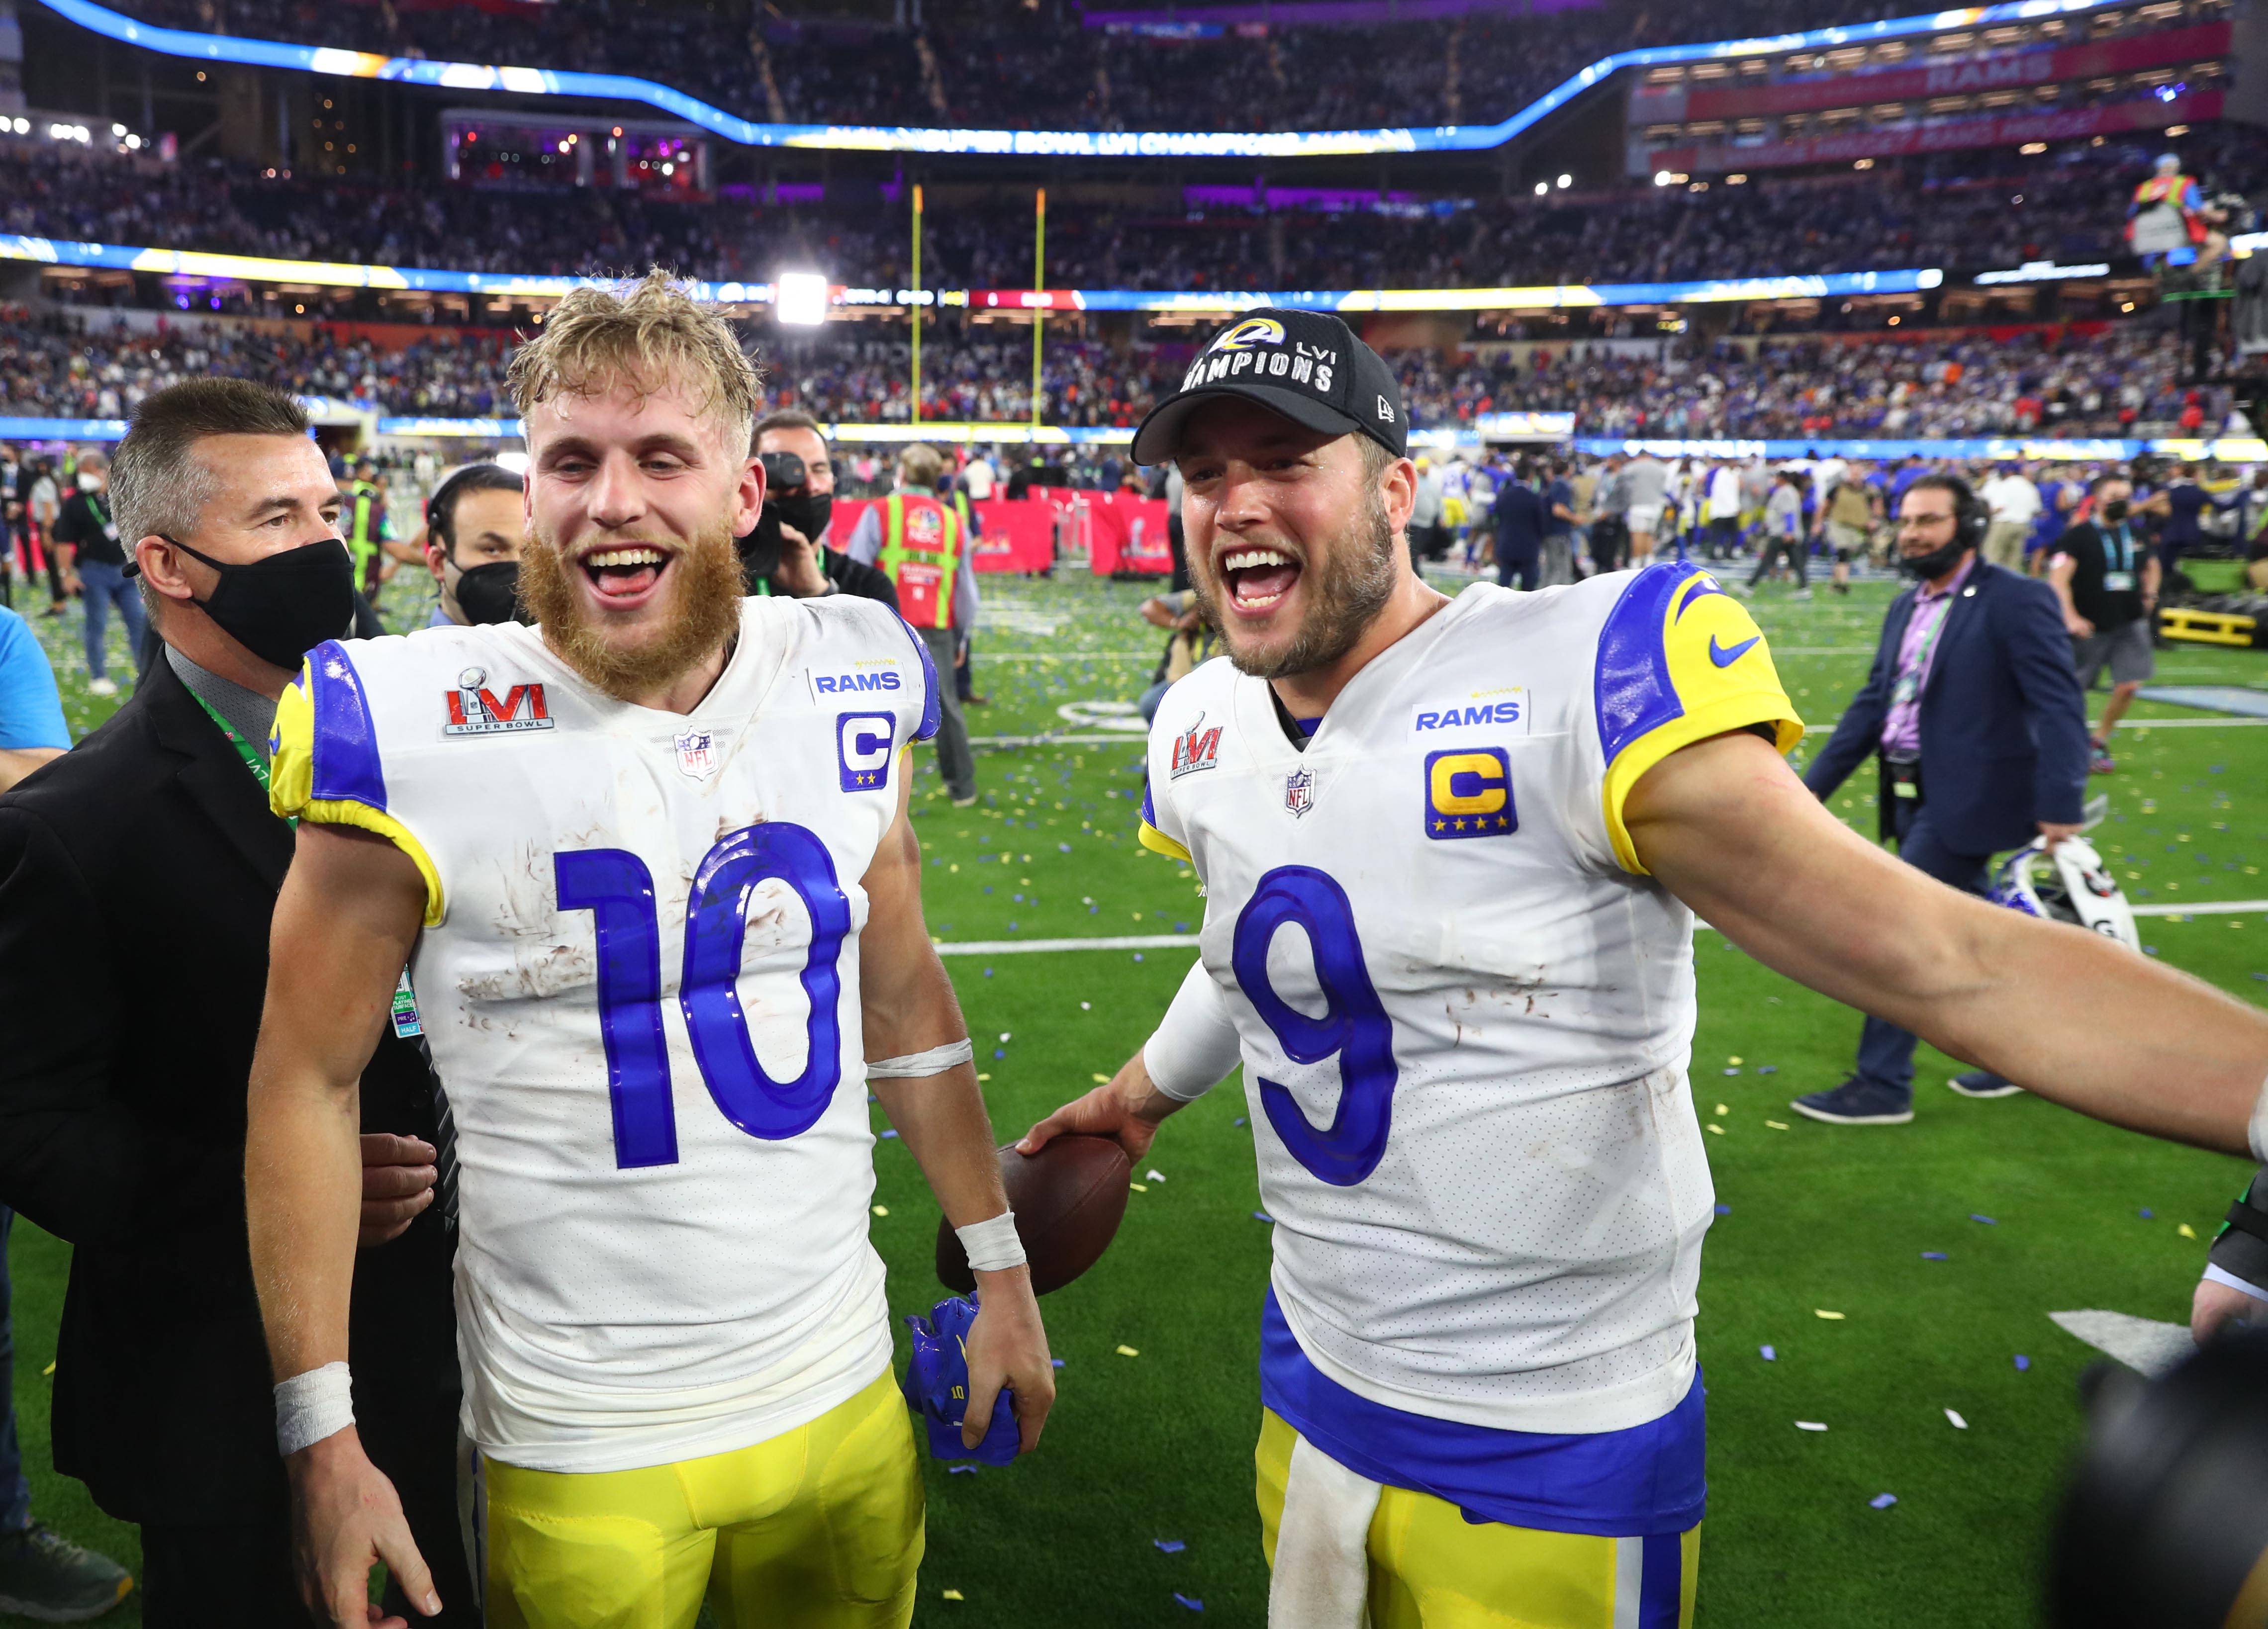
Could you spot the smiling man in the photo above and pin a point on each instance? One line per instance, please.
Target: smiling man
(669, 902)
(1490, 821)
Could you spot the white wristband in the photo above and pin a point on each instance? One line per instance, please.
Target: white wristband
(993, 1246)
(913, 1066)
(2259, 1129)
(312, 1406)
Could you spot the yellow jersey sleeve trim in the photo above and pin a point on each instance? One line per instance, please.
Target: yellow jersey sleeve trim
(1158, 843)
(343, 812)
(1721, 717)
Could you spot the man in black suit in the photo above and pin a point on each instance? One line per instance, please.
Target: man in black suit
(138, 876)
(1978, 722)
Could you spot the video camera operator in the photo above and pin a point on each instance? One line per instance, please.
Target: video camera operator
(787, 553)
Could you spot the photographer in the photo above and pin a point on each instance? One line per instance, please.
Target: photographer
(787, 553)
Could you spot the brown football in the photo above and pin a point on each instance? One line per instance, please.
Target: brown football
(1069, 1200)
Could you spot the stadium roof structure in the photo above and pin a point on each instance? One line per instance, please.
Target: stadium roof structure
(1025, 143)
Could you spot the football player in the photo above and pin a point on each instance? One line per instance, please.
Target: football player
(1453, 852)
(650, 868)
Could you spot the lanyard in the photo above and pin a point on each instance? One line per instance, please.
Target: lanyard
(2125, 548)
(1929, 640)
(244, 749)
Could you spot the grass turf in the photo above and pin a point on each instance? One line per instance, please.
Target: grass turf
(1159, 1445)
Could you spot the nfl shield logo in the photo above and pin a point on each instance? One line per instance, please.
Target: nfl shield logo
(697, 754)
(1298, 791)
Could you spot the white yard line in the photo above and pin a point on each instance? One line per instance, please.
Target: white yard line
(1012, 947)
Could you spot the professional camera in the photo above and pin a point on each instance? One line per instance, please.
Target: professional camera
(787, 501)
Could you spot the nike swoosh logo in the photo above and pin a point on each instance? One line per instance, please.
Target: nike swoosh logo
(1723, 657)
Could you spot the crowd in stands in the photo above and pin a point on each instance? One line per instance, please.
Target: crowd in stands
(2099, 381)
(1032, 67)
(1976, 210)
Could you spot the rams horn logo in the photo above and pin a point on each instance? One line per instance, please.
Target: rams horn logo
(1251, 332)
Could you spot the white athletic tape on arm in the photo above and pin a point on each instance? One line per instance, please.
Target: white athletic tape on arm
(993, 1246)
(1194, 1047)
(312, 1406)
(913, 1066)
(2260, 1124)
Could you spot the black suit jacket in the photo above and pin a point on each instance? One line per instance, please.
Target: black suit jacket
(2003, 723)
(138, 875)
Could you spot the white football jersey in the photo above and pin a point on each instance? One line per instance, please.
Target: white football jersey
(639, 976)
(1467, 1060)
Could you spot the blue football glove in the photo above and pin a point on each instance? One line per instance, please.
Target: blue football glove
(937, 1383)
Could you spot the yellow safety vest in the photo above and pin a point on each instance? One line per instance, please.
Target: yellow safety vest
(921, 552)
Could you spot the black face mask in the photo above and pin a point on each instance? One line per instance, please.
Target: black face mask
(760, 550)
(1938, 561)
(282, 606)
(489, 593)
(2115, 510)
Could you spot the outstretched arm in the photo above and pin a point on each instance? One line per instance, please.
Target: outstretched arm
(2074, 1017)
(344, 926)
(908, 1007)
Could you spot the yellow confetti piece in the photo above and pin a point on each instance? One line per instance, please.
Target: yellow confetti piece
(1128, 1352)
(954, 1595)
(1100, 1080)
(954, 867)
(1138, 1187)
(1724, 1108)
(49, 1369)
(882, 1210)
(2186, 1231)
(984, 1077)
(1833, 1317)
(1777, 1124)
(1735, 1062)
(1715, 1128)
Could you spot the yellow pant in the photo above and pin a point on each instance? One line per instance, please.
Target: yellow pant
(1432, 1569)
(819, 1528)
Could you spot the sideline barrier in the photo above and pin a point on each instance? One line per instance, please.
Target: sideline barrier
(1017, 534)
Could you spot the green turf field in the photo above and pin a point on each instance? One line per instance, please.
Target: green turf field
(1159, 1445)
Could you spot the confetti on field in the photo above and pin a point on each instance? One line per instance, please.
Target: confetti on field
(1715, 1128)
(1724, 1210)
(1139, 1187)
(1987, 1221)
(1086, 1007)
(1058, 1362)
(2186, 1231)
(1724, 1108)
(1958, 1423)
(1768, 1354)
(955, 1595)
(961, 1470)
(1768, 1068)
(1153, 1175)
(1189, 1601)
(1732, 1071)
(889, 1136)
(49, 1369)
(1832, 1318)
(1240, 1120)
(984, 1077)
(1102, 1079)
(2022, 1363)
(1883, 1501)
(2152, 1215)
(1810, 1425)
(1128, 1352)
(882, 1210)
(1735, 1062)
(1934, 1254)
(1171, 1546)
(1262, 1215)
(1776, 1124)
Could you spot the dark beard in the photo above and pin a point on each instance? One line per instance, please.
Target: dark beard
(708, 614)
(1349, 596)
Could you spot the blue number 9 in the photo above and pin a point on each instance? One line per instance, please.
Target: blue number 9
(1354, 1024)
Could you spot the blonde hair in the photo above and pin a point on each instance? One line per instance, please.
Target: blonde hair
(646, 336)
(919, 466)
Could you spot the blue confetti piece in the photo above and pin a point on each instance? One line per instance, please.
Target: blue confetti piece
(1768, 1354)
(1191, 1602)
(961, 1470)
(1058, 1362)
(1063, 847)
(1732, 1071)
(1138, 956)
(987, 888)
(1768, 1068)
(2152, 1215)
(1000, 1052)
(1987, 1221)
(988, 972)
(1018, 898)
(1171, 1546)
(1883, 1501)
(2022, 1363)
(1724, 1210)
(1262, 1215)
(2149, 949)
(1180, 927)
(1094, 910)
(1012, 927)
(1934, 1254)
(2263, 977)
(888, 1135)
(1240, 1120)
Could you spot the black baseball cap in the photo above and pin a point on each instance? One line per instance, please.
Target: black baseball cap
(1307, 365)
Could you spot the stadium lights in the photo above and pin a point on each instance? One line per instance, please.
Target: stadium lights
(1566, 181)
(1542, 187)
(1661, 178)
(2033, 149)
(800, 301)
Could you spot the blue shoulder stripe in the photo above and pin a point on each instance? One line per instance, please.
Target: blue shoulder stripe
(1632, 690)
(345, 757)
(931, 706)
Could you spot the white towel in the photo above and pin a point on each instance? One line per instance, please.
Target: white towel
(1321, 1579)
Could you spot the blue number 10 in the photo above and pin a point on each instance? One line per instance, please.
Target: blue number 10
(1354, 1024)
(615, 887)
